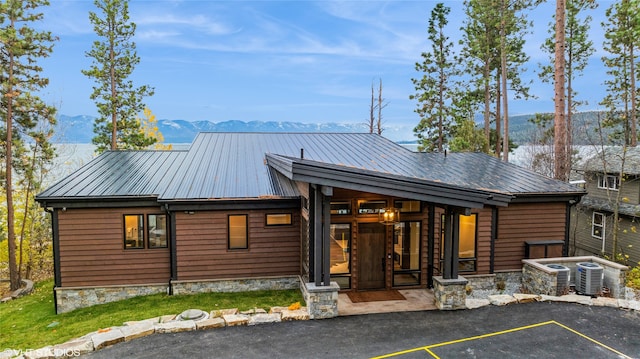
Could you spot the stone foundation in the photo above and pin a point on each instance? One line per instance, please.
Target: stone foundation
(450, 294)
(483, 285)
(68, 299)
(322, 302)
(235, 285)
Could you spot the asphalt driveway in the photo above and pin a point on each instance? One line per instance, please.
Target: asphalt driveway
(533, 330)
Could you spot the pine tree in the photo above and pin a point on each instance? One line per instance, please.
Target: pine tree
(433, 92)
(117, 99)
(22, 110)
(621, 42)
(577, 51)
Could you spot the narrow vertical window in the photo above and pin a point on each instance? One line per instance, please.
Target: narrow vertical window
(157, 230)
(238, 238)
(133, 231)
(597, 225)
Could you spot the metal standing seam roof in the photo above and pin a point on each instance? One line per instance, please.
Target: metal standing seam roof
(118, 174)
(234, 166)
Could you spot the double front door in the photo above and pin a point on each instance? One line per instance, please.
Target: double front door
(371, 256)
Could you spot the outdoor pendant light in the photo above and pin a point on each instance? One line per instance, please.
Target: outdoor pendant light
(389, 217)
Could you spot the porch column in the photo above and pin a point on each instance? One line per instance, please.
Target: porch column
(451, 243)
(321, 214)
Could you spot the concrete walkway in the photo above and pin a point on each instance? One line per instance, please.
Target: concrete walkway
(416, 300)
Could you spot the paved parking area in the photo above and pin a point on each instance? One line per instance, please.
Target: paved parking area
(533, 330)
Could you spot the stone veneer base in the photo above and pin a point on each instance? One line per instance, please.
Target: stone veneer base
(235, 285)
(450, 294)
(68, 299)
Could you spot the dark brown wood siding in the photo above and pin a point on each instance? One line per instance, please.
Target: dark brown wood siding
(92, 250)
(522, 222)
(202, 253)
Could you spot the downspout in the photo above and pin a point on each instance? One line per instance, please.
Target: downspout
(55, 239)
(173, 257)
(567, 227)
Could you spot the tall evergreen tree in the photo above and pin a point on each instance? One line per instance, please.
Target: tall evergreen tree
(117, 99)
(433, 91)
(22, 110)
(577, 51)
(622, 40)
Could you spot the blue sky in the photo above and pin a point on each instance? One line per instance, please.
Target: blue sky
(302, 61)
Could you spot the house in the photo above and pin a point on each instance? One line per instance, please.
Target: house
(325, 212)
(612, 181)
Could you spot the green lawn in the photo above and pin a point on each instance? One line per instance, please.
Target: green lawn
(30, 322)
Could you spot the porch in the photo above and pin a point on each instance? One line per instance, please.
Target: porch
(415, 300)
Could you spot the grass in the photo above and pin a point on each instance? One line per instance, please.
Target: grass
(30, 322)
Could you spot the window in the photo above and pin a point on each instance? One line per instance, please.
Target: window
(133, 231)
(597, 225)
(608, 182)
(238, 238)
(408, 206)
(341, 207)
(157, 230)
(467, 247)
(278, 219)
(340, 253)
(371, 207)
(406, 253)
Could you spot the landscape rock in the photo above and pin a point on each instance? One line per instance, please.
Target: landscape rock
(8, 354)
(150, 320)
(298, 314)
(210, 323)
(107, 337)
(502, 299)
(254, 311)
(73, 348)
(277, 309)
(138, 330)
(175, 326)
(264, 318)
(477, 303)
(167, 318)
(526, 298)
(42, 353)
(575, 298)
(605, 302)
(219, 313)
(233, 320)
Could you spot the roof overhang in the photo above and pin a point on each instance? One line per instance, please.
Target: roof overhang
(98, 202)
(364, 180)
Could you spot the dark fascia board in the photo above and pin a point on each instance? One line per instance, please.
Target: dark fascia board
(98, 202)
(394, 185)
(232, 204)
(571, 197)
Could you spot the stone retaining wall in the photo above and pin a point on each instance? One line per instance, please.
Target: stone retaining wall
(68, 299)
(539, 279)
(450, 294)
(235, 285)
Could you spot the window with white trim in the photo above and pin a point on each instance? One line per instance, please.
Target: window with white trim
(598, 225)
(611, 182)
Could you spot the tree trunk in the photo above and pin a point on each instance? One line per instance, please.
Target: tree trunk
(498, 152)
(503, 66)
(634, 135)
(14, 273)
(560, 145)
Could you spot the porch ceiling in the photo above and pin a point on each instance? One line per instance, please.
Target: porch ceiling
(367, 180)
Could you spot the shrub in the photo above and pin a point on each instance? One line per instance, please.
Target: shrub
(633, 277)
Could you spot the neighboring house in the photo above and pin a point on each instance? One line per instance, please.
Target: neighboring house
(241, 211)
(593, 232)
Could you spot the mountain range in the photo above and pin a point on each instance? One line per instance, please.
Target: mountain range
(79, 129)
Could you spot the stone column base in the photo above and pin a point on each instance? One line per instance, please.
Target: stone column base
(450, 294)
(322, 302)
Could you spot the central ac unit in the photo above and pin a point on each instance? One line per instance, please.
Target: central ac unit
(562, 278)
(589, 278)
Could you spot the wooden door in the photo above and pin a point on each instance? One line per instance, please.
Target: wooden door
(371, 256)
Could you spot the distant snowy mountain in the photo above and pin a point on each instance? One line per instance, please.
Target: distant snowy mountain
(79, 129)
